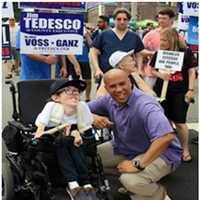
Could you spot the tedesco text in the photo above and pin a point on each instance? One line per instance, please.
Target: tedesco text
(51, 23)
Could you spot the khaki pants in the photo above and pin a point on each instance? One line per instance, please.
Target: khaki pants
(142, 184)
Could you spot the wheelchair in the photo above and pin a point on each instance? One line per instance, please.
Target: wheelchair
(28, 170)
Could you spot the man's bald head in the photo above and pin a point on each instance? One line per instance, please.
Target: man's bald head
(118, 85)
(114, 73)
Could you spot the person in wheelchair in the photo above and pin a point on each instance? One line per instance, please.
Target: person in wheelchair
(65, 107)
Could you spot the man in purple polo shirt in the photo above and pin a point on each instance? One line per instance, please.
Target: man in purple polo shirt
(144, 147)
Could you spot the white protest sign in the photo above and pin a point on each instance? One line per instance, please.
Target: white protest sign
(190, 8)
(51, 33)
(5, 42)
(169, 60)
(7, 10)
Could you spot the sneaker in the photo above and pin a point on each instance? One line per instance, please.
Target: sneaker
(89, 189)
(167, 197)
(75, 191)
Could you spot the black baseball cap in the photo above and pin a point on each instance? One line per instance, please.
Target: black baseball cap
(59, 84)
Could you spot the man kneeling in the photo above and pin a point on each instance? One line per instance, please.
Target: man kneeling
(144, 148)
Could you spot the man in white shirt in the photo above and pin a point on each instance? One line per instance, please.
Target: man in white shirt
(13, 28)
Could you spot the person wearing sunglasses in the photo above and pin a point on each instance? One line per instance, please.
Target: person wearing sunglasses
(120, 38)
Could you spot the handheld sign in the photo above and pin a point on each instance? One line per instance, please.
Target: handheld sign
(80, 6)
(7, 10)
(53, 71)
(51, 33)
(189, 8)
(168, 62)
(6, 53)
(193, 31)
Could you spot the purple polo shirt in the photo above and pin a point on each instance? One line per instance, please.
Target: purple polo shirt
(137, 124)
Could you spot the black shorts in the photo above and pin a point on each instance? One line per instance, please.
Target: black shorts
(85, 71)
(175, 107)
(14, 53)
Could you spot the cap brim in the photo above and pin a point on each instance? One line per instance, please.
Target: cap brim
(130, 52)
(81, 85)
(60, 84)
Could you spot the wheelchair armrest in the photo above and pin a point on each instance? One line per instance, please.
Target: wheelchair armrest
(20, 126)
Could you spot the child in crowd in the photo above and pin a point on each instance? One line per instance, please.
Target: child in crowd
(65, 107)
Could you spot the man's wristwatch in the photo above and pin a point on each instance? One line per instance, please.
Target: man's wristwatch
(136, 164)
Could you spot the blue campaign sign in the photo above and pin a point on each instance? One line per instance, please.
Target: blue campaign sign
(189, 8)
(193, 31)
(54, 5)
(51, 33)
(6, 53)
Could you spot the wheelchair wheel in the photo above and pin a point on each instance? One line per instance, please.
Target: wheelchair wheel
(7, 177)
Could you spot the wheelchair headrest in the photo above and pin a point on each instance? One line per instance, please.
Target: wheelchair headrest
(32, 96)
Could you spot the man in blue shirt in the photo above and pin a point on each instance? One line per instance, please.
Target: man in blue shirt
(34, 66)
(118, 38)
(83, 60)
(102, 24)
(144, 147)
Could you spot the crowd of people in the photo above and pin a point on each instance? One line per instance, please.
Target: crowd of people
(150, 138)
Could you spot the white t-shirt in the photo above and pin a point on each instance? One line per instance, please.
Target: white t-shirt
(13, 31)
(46, 115)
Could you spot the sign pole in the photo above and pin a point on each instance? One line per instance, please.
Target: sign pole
(53, 71)
(164, 90)
(165, 85)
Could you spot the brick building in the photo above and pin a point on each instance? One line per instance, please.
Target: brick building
(139, 10)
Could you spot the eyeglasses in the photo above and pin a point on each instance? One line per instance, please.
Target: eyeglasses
(120, 19)
(69, 91)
